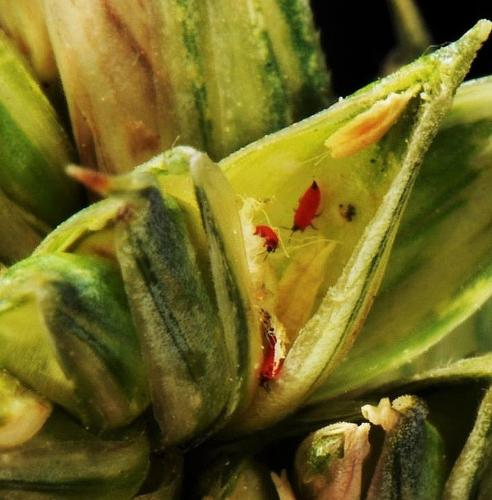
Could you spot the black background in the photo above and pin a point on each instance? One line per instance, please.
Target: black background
(356, 35)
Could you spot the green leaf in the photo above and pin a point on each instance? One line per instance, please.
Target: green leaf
(22, 412)
(194, 313)
(33, 146)
(78, 347)
(64, 461)
(164, 479)
(232, 281)
(474, 369)
(295, 44)
(440, 271)
(234, 478)
(377, 139)
(473, 465)
(24, 22)
(459, 357)
(180, 333)
(21, 231)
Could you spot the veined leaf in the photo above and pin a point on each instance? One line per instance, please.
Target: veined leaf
(374, 179)
(64, 461)
(461, 356)
(104, 54)
(21, 231)
(440, 271)
(22, 412)
(232, 282)
(298, 54)
(168, 73)
(470, 476)
(23, 21)
(78, 346)
(164, 481)
(472, 370)
(235, 478)
(34, 191)
(33, 146)
(180, 333)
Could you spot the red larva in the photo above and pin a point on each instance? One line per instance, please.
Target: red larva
(271, 367)
(307, 209)
(272, 358)
(269, 236)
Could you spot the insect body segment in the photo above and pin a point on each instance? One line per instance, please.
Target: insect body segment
(307, 209)
(270, 237)
(274, 355)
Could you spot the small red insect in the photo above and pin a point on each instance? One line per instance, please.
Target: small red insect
(271, 367)
(273, 358)
(307, 209)
(270, 237)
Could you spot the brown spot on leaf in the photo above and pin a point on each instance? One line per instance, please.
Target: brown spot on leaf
(125, 213)
(127, 36)
(103, 251)
(141, 139)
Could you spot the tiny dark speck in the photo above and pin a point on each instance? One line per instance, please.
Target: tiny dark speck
(348, 211)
